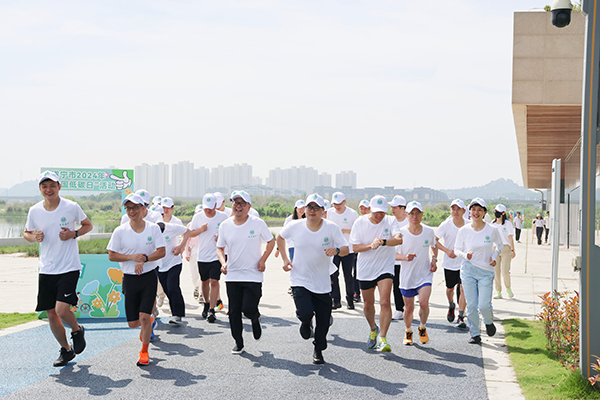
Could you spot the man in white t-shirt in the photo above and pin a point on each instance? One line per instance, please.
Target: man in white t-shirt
(205, 225)
(518, 223)
(243, 268)
(364, 207)
(343, 217)
(398, 205)
(149, 215)
(137, 246)
(547, 226)
(447, 232)
(52, 223)
(316, 241)
(373, 238)
(416, 275)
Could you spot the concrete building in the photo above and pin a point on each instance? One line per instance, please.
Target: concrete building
(346, 179)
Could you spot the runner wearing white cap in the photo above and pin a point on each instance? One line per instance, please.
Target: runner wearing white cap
(149, 215)
(205, 225)
(52, 223)
(447, 232)
(191, 257)
(416, 275)
(373, 238)
(343, 217)
(398, 205)
(364, 207)
(316, 241)
(502, 270)
(243, 236)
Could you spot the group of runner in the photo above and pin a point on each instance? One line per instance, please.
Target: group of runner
(375, 251)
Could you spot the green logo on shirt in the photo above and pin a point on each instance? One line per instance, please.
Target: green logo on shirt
(487, 238)
(167, 238)
(386, 230)
(252, 232)
(251, 235)
(326, 239)
(426, 242)
(345, 219)
(63, 219)
(149, 240)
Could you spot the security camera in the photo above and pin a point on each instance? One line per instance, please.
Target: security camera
(561, 13)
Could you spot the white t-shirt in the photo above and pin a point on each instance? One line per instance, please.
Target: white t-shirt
(447, 232)
(505, 231)
(311, 266)
(484, 244)
(344, 220)
(401, 224)
(174, 220)
(539, 223)
(243, 246)
(126, 241)
(56, 256)
(418, 271)
(151, 216)
(371, 264)
(171, 235)
(290, 242)
(228, 211)
(518, 223)
(207, 245)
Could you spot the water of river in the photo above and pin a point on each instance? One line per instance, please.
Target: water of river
(12, 227)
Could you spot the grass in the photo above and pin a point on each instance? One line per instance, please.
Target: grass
(94, 246)
(12, 319)
(539, 373)
(30, 250)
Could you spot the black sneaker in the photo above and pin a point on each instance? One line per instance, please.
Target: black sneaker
(460, 323)
(475, 340)
(350, 306)
(64, 358)
(318, 357)
(205, 311)
(306, 330)
(490, 329)
(78, 340)
(237, 349)
(211, 317)
(450, 315)
(256, 328)
(336, 305)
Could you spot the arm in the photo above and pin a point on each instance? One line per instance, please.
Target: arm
(281, 244)
(262, 263)
(511, 239)
(184, 241)
(434, 258)
(198, 231)
(33, 236)
(222, 260)
(447, 251)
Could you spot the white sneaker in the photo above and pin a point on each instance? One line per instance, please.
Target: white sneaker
(398, 315)
(175, 320)
(498, 295)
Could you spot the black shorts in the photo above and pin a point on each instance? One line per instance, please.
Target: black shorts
(53, 288)
(140, 294)
(366, 285)
(209, 270)
(452, 278)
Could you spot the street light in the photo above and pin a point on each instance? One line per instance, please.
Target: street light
(543, 204)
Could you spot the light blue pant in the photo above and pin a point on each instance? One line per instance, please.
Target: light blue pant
(477, 285)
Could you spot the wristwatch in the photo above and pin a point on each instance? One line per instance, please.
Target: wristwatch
(384, 242)
(337, 249)
(145, 255)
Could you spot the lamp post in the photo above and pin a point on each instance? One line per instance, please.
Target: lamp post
(543, 205)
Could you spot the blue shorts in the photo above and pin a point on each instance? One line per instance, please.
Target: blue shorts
(413, 292)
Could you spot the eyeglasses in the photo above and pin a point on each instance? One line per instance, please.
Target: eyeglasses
(415, 214)
(314, 208)
(240, 203)
(133, 208)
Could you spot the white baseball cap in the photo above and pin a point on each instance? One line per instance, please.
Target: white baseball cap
(458, 202)
(501, 208)
(220, 198)
(379, 204)
(143, 193)
(327, 204)
(412, 205)
(398, 201)
(364, 203)
(134, 198)
(299, 203)
(240, 194)
(156, 200)
(198, 208)
(44, 176)
(167, 202)
(479, 202)
(317, 199)
(209, 201)
(338, 198)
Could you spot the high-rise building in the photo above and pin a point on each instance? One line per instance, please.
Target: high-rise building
(345, 179)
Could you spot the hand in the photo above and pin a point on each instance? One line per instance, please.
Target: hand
(65, 234)
(204, 227)
(39, 236)
(330, 252)
(121, 183)
(513, 255)
(177, 250)
(139, 268)
(138, 258)
(492, 263)
(287, 266)
(433, 266)
(276, 253)
(469, 255)
(262, 266)
(224, 269)
(411, 256)
(451, 254)
(187, 259)
(376, 243)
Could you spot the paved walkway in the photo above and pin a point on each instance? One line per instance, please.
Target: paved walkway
(195, 357)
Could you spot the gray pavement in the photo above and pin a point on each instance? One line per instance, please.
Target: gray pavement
(195, 358)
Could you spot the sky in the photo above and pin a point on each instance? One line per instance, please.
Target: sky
(404, 93)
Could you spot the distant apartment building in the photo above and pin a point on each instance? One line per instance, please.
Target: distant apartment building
(153, 178)
(345, 179)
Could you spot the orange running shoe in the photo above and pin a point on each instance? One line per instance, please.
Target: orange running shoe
(144, 359)
(423, 336)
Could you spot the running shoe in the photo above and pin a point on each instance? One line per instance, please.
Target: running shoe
(408, 340)
(460, 323)
(144, 359)
(357, 298)
(350, 306)
(490, 329)
(423, 337)
(318, 357)
(398, 315)
(160, 301)
(510, 293)
(211, 317)
(205, 311)
(383, 345)
(154, 323)
(64, 357)
(335, 305)
(306, 330)
(201, 299)
(175, 320)
(219, 306)
(196, 293)
(450, 315)
(256, 328)
(498, 295)
(475, 340)
(78, 340)
(237, 349)
(372, 342)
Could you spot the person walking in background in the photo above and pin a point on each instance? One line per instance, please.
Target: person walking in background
(538, 225)
(478, 245)
(518, 224)
(52, 223)
(547, 226)
(502, 269)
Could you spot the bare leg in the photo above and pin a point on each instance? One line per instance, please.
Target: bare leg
(409, 309)
(214, 292)
(369, 306)
(384, 287)
(424, 294)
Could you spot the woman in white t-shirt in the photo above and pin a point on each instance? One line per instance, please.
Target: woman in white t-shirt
(506, 230)
(478, 245)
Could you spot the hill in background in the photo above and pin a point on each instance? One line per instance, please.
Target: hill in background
(500, 188)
